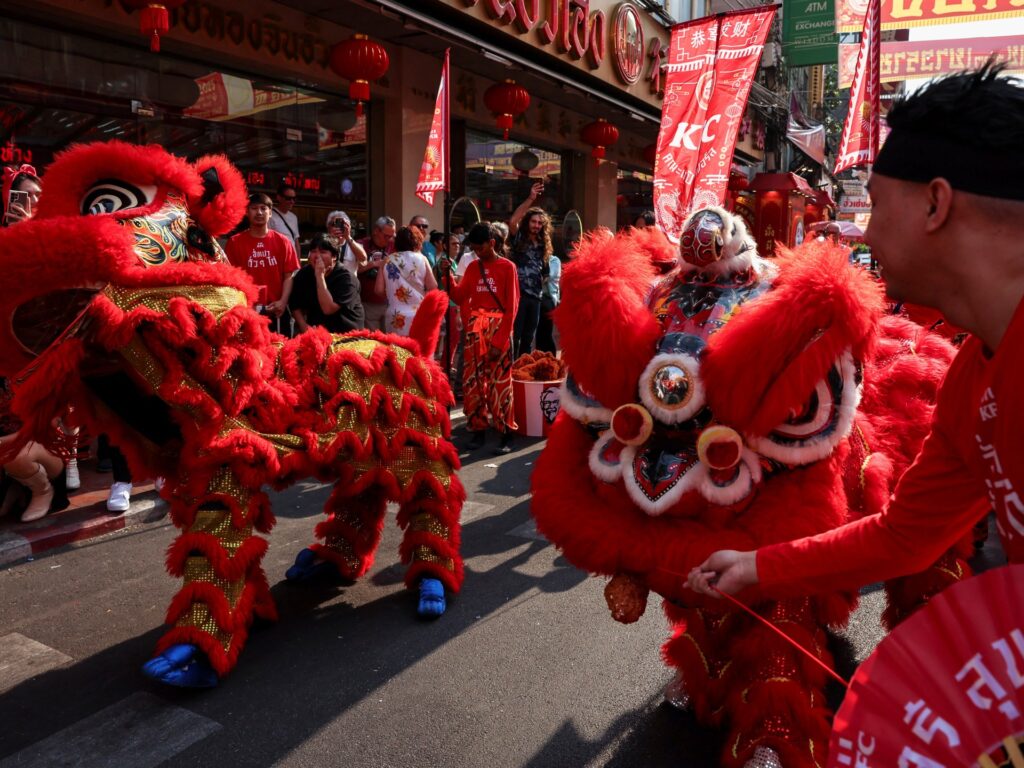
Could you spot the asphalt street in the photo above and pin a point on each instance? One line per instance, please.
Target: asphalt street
(525, 670)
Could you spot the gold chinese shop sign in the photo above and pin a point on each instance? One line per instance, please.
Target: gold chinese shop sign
(615, 40)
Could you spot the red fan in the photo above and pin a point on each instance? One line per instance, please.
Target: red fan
(944, 689)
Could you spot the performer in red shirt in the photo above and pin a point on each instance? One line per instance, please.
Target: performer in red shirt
(947, 227)
(490, 293)
(268, 256)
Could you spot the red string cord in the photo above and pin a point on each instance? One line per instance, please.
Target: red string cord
(776, 630)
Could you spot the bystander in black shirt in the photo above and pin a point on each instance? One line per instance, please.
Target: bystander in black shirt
(344, 289)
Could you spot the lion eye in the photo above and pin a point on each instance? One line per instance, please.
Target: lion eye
(112, 195)
(670, 387)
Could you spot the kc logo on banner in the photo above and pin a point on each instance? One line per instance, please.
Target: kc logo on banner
(711, 64)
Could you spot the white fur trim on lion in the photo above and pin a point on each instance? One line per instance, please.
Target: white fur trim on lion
(748, 475)
(609, 472)
(654, 507)
(579, 410)
(817, 447)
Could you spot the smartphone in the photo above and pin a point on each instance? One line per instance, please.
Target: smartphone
(19, 197)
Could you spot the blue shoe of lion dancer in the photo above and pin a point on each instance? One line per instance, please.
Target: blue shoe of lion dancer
(183, 666)
(308, 567)
(432, 601)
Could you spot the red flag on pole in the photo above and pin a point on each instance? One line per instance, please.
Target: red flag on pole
(434, 171)
(711, 65)
(859, 145)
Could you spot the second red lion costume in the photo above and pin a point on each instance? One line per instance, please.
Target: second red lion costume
(733, 403)
(118, 300)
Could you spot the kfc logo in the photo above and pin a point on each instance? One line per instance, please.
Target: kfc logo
(686, 133)
(549, 403)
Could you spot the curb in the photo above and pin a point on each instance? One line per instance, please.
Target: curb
(69, 526)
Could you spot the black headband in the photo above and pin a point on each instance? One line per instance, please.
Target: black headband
(921, 157)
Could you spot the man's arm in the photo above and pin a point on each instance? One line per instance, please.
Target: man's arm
(429, 281)
(454, 283)
(360, 254)
(290, 264)
(286, 292)
(371, 263)
(935, 503)
(300, 320)
(323, 295)
(518, 213)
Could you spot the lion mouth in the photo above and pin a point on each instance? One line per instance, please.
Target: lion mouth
(41, 321)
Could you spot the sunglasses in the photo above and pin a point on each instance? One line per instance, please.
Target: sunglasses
(422, 226)
(289, 198)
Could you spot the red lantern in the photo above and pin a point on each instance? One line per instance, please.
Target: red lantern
(360, 60)
(506, 100)
(650, 154)
(155, 18)
(738, 181)
(599, 134)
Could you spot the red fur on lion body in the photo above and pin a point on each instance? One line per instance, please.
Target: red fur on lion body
(758, 370)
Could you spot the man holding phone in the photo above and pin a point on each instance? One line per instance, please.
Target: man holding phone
(21, 190)
(378, 246)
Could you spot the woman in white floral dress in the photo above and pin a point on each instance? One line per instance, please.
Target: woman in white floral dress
(404, 280)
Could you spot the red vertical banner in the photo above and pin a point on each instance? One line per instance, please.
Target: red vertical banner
(434, 171)
(859, 145)
(711, 64)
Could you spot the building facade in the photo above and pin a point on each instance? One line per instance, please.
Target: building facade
(254, 82)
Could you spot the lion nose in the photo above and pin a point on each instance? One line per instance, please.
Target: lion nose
(632, 424)
(720, 447)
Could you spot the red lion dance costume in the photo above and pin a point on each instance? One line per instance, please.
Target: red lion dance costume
(118, 300)
(749, 402)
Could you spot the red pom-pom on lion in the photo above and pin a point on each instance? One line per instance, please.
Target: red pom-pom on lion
(732, 403)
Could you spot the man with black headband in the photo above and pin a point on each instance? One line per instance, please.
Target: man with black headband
(947, 228)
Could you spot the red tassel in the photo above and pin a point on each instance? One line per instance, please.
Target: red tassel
(154, 20)
(504, 122)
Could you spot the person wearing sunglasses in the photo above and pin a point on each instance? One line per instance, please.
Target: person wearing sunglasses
(283, 219)
(421, 224)
(352, 254)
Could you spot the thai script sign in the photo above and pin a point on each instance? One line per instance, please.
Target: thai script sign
(902, 61)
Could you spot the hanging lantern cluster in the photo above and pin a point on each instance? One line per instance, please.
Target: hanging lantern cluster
(155, 18)
(359, 60)
(507, 101)
(599, 134)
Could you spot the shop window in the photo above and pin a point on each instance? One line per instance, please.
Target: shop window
(58, 88)
(634, 196)
(499, 175)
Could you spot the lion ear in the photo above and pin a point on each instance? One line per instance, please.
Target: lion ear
(221, 205)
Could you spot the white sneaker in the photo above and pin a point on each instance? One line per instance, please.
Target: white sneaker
(72, 478)
(120, 498)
